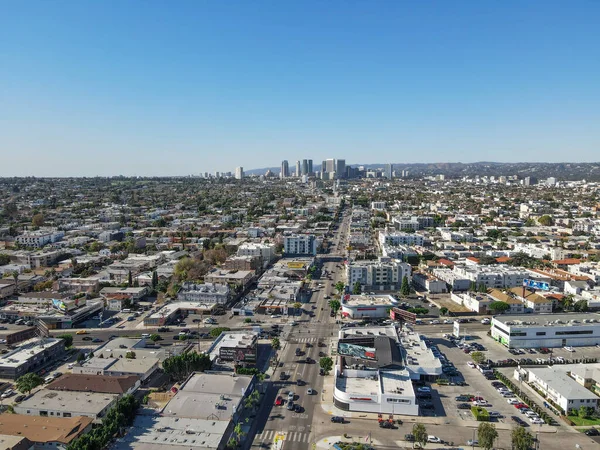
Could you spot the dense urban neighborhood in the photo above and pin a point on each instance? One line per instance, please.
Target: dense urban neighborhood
(305, 307)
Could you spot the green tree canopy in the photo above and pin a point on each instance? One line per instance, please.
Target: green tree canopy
(405, 287)
(486, 434)
(181, 366)
(546, 220)
(335, 306)
(275, 343)
(68, 338)
(521, 439)
(420, 433)
(28, 382)
(498, 307)
(478, 357)
(216, 332)
(326, 363)
(357, 288)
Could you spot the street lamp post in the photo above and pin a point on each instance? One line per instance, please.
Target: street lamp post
(473, 440)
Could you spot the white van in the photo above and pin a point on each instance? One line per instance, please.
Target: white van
(126, 310)
(145, 335)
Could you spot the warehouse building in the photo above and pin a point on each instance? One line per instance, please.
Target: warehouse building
(546, 330)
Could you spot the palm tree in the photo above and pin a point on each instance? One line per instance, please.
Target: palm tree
(568, 301)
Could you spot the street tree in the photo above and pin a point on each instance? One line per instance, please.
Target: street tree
(443, 311)
(478, 357)
(275, 343)
(420, 434)
(326, 363)
(68, 338)
(357, 288)
(405, 287)
(339, 286)
(521, 439)
(335, 306)
(28, 382)
(486, 434)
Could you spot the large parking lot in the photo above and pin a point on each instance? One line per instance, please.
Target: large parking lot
(443, 397)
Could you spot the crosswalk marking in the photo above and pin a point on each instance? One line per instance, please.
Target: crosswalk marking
(303, 340)
(293, 436)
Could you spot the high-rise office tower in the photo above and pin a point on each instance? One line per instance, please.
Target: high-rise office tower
(285, 169)
(310, 166)
(389, 171)
(304, 166)
(340, 168)
(330, 165)
(239, 173)
(298, 169)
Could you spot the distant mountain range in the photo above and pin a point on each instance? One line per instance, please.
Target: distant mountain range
(561, 171)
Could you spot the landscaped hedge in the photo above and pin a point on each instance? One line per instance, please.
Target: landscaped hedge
(480, 414)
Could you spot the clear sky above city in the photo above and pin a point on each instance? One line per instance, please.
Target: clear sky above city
(183, 87)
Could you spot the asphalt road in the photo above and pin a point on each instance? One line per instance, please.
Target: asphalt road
(272, 420)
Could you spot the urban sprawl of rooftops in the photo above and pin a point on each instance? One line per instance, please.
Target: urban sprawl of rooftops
(81, 252)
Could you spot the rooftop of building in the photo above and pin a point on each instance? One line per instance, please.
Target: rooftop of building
(369, 300)
(217, 383)
(498, 295)
(27, 350)
(537, 320)
(77, 403)
(231, 274)
(556, 378)
(43, 429)
(204, 287)
(165, 432)
(396, 382)
(528, 295)
(94, 383)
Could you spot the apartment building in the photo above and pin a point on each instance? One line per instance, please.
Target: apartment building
(396, 238)
(263, 250)
(204, 293)
(493, 276)
(39, 238)
(383, 274)
(300, 245)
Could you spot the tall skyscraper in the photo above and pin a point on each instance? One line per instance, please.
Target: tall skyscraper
(389, 171)
(310, 166)
(285, 169)
(340, 168)
(330, 165)
(304, 166)
(298, 168)
(239, 173)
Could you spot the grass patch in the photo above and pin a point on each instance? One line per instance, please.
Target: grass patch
(581, 422)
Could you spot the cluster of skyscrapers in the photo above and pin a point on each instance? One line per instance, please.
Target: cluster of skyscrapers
(330, 169)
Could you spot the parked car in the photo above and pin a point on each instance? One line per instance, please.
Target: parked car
(519, 421)
(592, 432)
(463, 406)
(290, 406)
(434, 439)
(473, 443)
(337, 419)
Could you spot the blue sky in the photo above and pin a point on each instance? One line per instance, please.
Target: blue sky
(182, 87)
